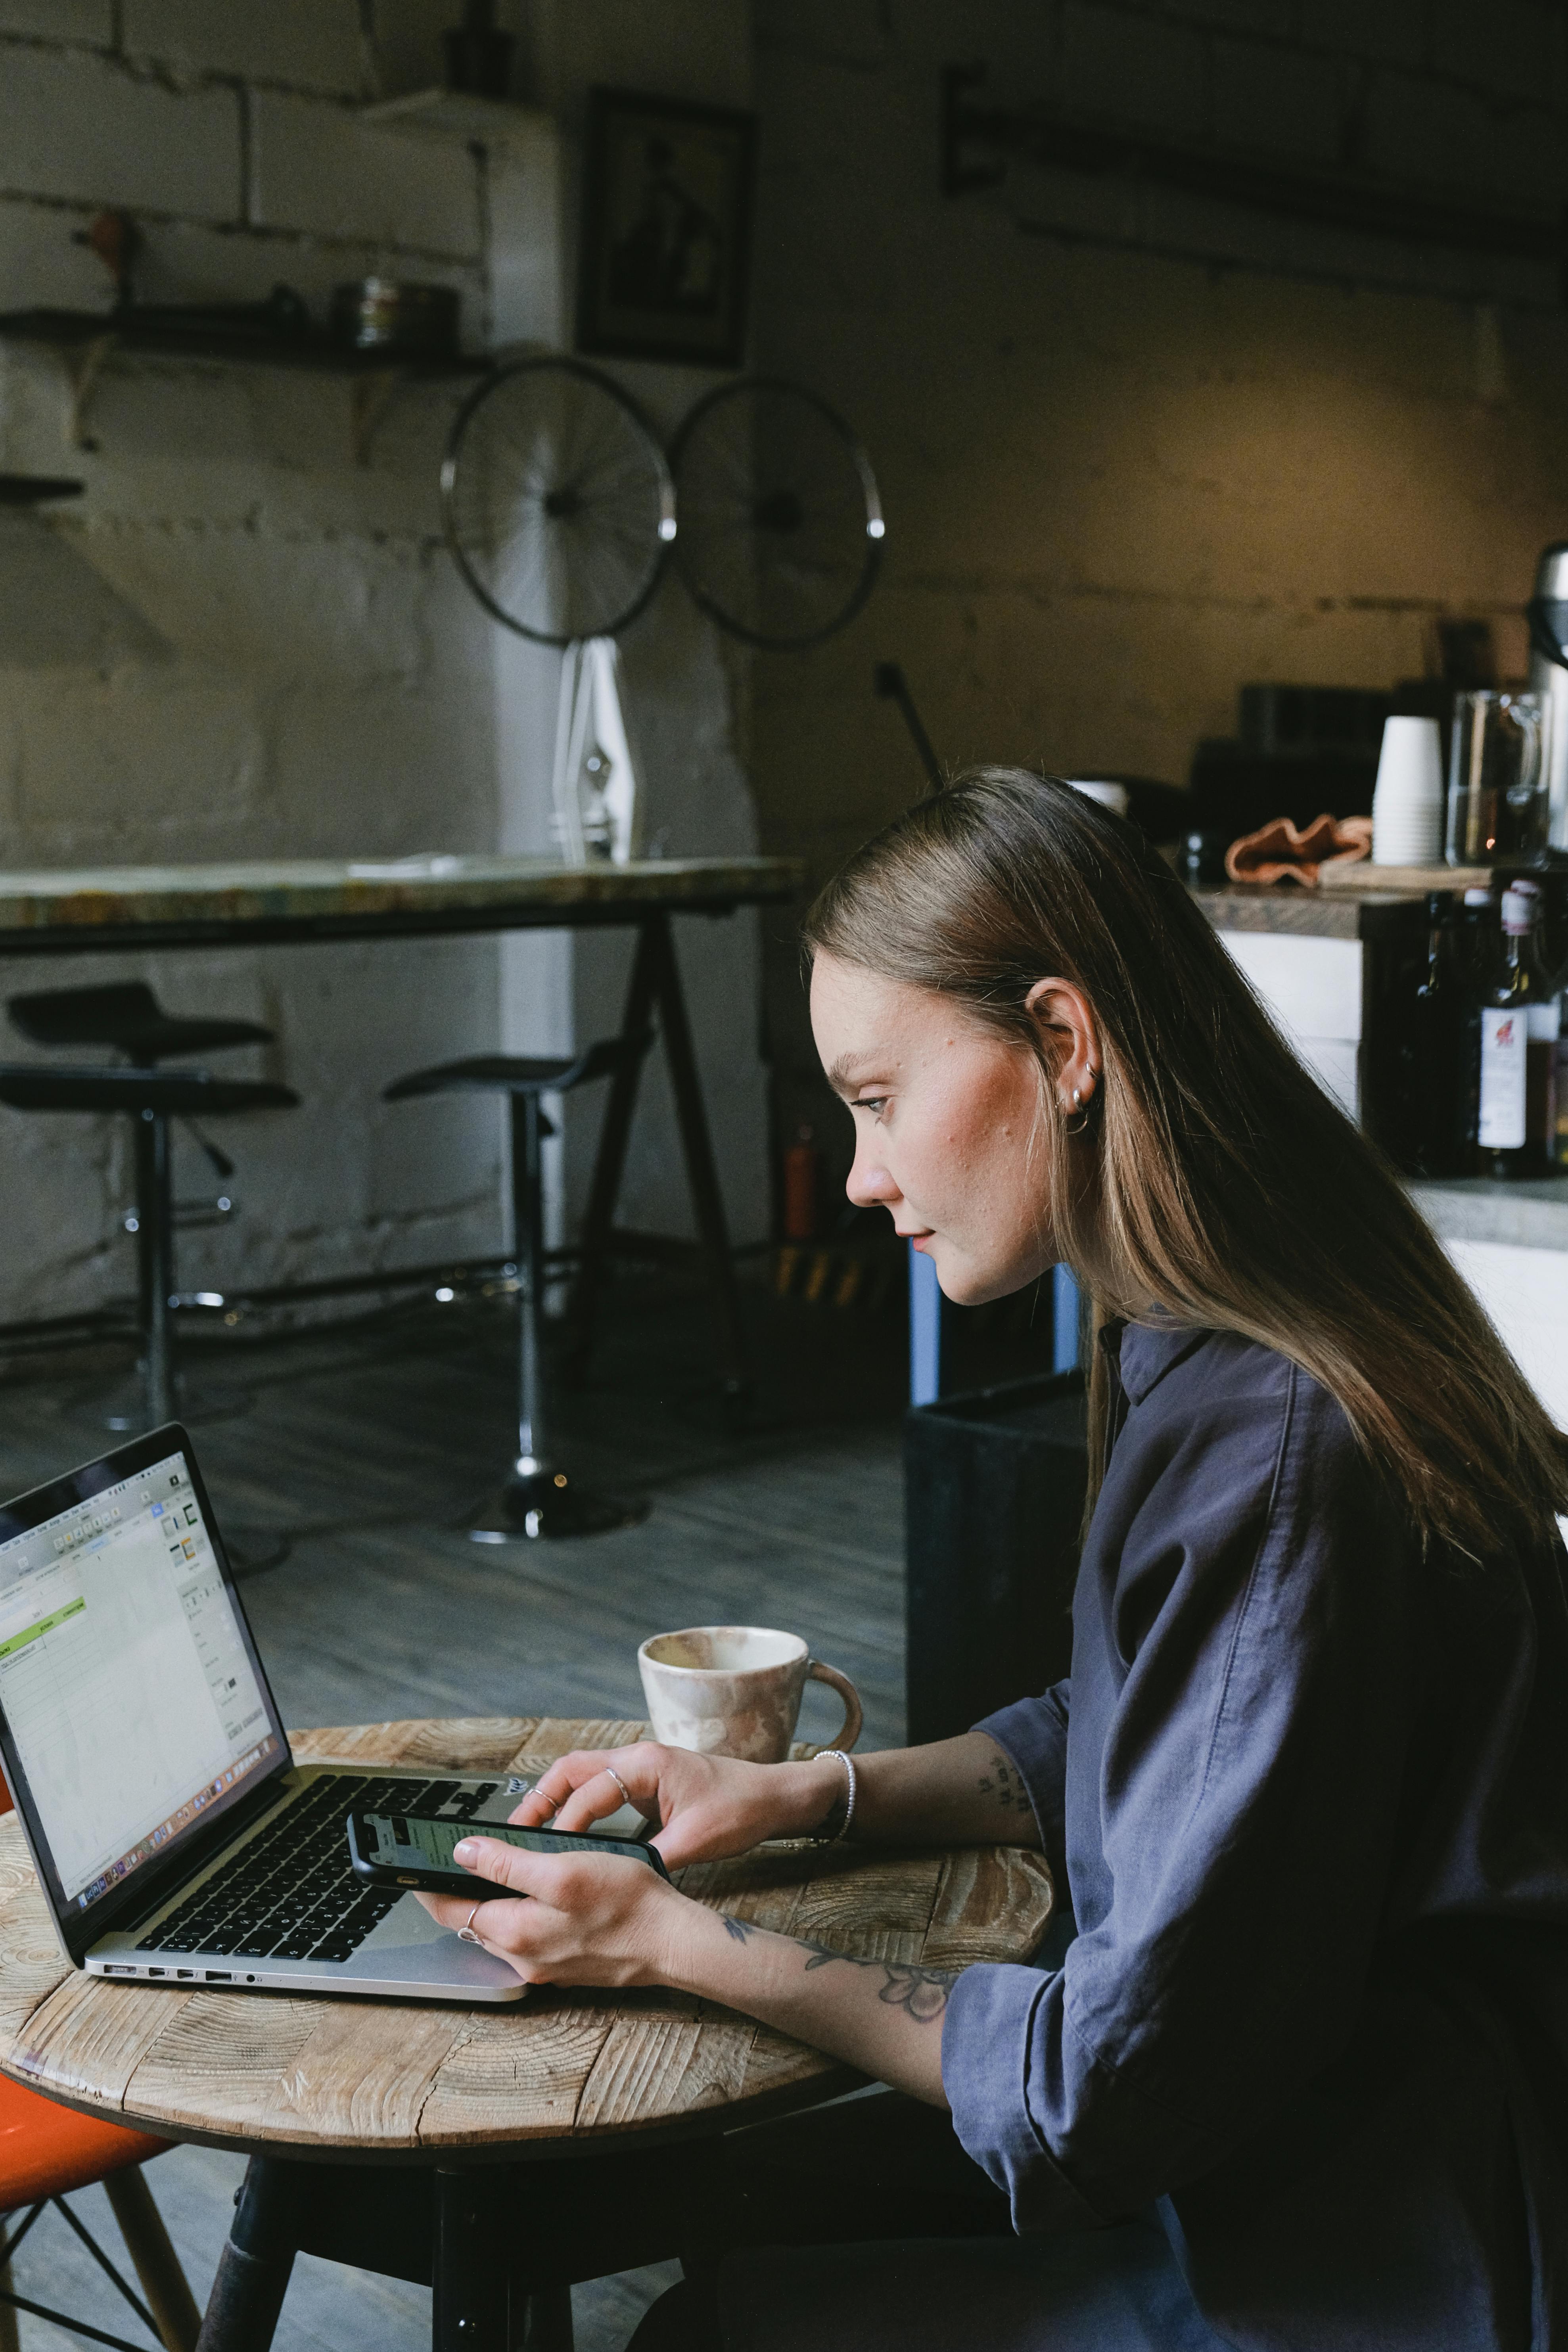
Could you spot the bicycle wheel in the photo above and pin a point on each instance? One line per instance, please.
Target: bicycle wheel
(556, 499)
(780, 520)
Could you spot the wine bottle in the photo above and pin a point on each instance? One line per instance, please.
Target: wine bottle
(1507, 1147)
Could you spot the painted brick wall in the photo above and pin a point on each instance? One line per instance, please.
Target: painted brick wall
(241, 643)
(1137, 447)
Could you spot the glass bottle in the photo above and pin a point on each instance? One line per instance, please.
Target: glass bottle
(1441, 1087)
(1511, 1126)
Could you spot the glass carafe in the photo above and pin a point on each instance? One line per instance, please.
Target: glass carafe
(1498, 810)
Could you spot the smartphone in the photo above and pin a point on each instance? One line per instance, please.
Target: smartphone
(414, 1850)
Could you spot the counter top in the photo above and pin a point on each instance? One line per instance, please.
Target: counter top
(1305, 914)
(1530, 1215)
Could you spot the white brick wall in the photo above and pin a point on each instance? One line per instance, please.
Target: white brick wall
(89, 128)
(61, 20)
(1131, 68)
(239, 643)
(304, 43)
(314, 168)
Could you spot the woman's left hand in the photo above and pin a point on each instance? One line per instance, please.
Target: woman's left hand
(588, 1919)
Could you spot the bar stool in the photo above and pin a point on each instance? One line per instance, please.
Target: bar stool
(125, 1016)
(152, 1098)
(536, 1499)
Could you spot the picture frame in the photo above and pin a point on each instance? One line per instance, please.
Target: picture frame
(664, 267)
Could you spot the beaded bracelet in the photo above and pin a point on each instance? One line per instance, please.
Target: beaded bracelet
(840, 1756)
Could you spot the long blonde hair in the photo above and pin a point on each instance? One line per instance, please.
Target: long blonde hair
(1224, 1184)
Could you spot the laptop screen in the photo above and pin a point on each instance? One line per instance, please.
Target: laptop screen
(129, 1687)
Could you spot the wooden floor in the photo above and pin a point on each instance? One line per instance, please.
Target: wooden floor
(363, 1449)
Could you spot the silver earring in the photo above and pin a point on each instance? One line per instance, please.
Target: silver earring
(1077, 1100)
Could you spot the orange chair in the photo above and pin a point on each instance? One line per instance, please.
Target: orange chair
(46, 2150)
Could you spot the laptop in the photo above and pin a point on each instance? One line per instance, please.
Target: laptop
(174, 1840)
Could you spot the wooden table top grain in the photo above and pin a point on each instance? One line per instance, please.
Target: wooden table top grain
(361, 2079)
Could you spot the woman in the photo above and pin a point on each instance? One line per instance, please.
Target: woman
(1301, 2078)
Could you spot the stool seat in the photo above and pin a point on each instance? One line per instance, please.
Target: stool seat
(127, 1016)
(177, 1094)
(515, 1073)
(46, 2150)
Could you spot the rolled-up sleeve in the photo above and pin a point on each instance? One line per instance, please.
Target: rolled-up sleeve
(1033, 1735)
(1248, 1693)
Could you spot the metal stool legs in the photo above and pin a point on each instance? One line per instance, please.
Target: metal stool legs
(536, 1500)
(154, 1277)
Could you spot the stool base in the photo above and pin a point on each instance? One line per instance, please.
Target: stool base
(541, 1506)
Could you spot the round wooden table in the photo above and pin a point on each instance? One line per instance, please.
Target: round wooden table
(469, 2094)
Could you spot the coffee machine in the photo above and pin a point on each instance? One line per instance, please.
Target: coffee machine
(1547, 612)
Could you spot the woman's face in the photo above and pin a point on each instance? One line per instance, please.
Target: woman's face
(944, 1115)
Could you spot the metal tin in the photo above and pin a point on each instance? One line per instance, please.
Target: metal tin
(385, 314)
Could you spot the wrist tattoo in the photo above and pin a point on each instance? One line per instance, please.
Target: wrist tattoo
(921, 1992)
(1003, 1782)
(741, 1930)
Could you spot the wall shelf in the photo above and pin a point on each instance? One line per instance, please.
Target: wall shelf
(452, 114)
(88, 340)
(978, 138)
(34, 489)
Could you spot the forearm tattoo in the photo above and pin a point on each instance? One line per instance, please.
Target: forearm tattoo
(920, 1992)
(1003, 1782)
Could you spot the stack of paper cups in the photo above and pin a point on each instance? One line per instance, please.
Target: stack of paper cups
(1407, 805)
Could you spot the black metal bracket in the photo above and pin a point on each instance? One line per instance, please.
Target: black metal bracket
(977, 140)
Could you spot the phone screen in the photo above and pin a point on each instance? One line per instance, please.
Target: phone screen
(413, 1842)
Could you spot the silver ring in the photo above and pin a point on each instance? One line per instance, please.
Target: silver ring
(465, 1932)
(620, 1784)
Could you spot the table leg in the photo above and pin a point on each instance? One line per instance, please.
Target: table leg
(701, 1175)
(257, 2256)
(473, 2232)
(541, 2322)
(609, 1162)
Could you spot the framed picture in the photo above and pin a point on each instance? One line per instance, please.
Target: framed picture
(667, 229)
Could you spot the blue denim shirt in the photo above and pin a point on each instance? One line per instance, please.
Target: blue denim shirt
(1309, 1793)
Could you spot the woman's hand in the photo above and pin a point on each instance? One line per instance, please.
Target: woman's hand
(589, 1919)
(706, 1806)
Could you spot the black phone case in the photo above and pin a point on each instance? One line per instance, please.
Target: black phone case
(464, 1882)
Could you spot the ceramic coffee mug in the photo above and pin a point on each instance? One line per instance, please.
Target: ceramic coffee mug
(735, 1690)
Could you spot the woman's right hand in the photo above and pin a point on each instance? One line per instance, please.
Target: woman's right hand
(706, 1806)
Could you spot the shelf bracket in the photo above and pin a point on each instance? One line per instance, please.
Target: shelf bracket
(369, 397)
(86, 365)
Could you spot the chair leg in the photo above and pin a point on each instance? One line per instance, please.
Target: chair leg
(163, 2282)
(257, 2257)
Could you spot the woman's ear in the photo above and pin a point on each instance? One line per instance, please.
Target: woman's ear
(1070, 1039)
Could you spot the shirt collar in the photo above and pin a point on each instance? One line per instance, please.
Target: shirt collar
(1146, 1352)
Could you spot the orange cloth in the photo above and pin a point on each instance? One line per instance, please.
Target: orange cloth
(1281, 852)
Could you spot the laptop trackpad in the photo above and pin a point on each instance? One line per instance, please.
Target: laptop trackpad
(400, 1951)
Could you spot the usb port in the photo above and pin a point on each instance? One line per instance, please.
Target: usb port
(185, 1972)
(155, 1972)
(220, 1976)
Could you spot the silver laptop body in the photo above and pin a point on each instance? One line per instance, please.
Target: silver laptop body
(174, 1841)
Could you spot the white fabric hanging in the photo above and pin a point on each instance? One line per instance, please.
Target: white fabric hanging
(590, 723)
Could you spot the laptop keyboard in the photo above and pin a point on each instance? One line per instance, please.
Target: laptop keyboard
(291, 1894)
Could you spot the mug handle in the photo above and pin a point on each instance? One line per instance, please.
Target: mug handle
(849, 1729)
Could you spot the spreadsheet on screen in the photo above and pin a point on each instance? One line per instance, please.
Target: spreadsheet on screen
(124, 1677)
